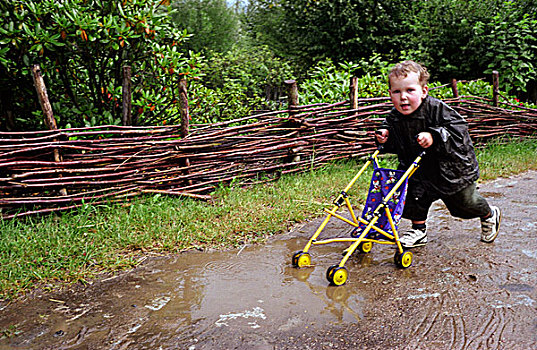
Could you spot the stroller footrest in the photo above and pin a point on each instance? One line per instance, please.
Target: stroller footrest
(334, 240)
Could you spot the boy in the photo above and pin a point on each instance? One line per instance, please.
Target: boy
(448, 170)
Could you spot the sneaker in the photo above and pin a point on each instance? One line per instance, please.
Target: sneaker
(491, 225)
(413, 238)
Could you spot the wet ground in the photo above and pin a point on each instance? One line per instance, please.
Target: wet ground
(459, 293)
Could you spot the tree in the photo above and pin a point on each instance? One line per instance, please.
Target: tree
(454, 39)
(81, 46)
(213, 25)
(342, 30)
(440, 35)
(508, 43)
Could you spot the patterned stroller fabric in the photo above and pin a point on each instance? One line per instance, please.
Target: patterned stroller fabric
(382, 182)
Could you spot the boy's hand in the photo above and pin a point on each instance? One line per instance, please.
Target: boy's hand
(425, 139)
(382, 135)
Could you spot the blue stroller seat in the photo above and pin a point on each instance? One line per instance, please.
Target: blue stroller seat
(382, 182)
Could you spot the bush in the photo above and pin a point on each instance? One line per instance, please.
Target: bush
(81, 47)
(213, 24)
(236, 83)
(328, 82)
(511, 50)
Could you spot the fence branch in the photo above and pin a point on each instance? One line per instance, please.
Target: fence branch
(117, 163)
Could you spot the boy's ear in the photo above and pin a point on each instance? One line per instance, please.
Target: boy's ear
(424, 91)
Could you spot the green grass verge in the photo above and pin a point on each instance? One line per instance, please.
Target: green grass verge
(76, 246)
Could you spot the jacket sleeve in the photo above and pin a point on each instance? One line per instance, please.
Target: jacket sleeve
(449, 130)
(389, 145)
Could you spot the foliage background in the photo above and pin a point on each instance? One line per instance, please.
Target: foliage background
(81, 47)
(235, 55)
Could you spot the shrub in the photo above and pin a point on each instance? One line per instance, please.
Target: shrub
(81, 47)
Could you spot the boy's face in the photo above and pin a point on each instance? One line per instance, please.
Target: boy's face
(407, 93)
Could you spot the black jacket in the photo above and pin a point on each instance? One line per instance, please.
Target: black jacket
(450, 164)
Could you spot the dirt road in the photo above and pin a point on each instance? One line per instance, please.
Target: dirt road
(459, 293)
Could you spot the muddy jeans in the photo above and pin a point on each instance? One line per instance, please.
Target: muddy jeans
(465, 204)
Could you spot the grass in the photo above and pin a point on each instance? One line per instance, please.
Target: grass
(75, 246)
(507, 157)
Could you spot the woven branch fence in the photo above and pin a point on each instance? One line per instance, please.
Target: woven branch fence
(48, 171)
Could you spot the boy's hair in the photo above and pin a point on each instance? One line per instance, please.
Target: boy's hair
(401, 70)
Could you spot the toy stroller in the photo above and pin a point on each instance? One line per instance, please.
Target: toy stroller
(378, 223)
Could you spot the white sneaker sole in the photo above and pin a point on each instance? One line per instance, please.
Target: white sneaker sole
(415, 245)
(490, 240)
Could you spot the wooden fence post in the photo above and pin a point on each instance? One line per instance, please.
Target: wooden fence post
(127, 96)
(292, 95)
(185, 119)
(353, 94)
(454, 88)
(183, 107)
(50, 121)
(39, 84)
(495, 87)
(292, 102)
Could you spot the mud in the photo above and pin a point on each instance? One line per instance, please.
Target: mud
(459, 293)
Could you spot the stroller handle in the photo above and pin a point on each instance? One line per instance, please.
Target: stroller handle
(380, 146)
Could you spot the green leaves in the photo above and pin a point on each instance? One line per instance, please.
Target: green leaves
(81, 46)
(512, 49)
(235, 83)
(328, 82)
(214, 24)
(453, 38)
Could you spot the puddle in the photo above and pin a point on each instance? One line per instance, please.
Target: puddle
(191, 296)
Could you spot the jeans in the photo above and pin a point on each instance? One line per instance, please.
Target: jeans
(465, 204)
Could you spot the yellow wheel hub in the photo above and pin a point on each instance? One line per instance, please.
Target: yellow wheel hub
(304, 260)
(366, 247)
(403, 260)
(338, 276)
(406, 259)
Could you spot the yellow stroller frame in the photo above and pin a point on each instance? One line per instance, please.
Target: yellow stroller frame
(338, 274)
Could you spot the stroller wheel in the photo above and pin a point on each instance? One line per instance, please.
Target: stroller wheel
(337, 275)
(301, 259)
(330, 272)
(365, 247)
(404, 260)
